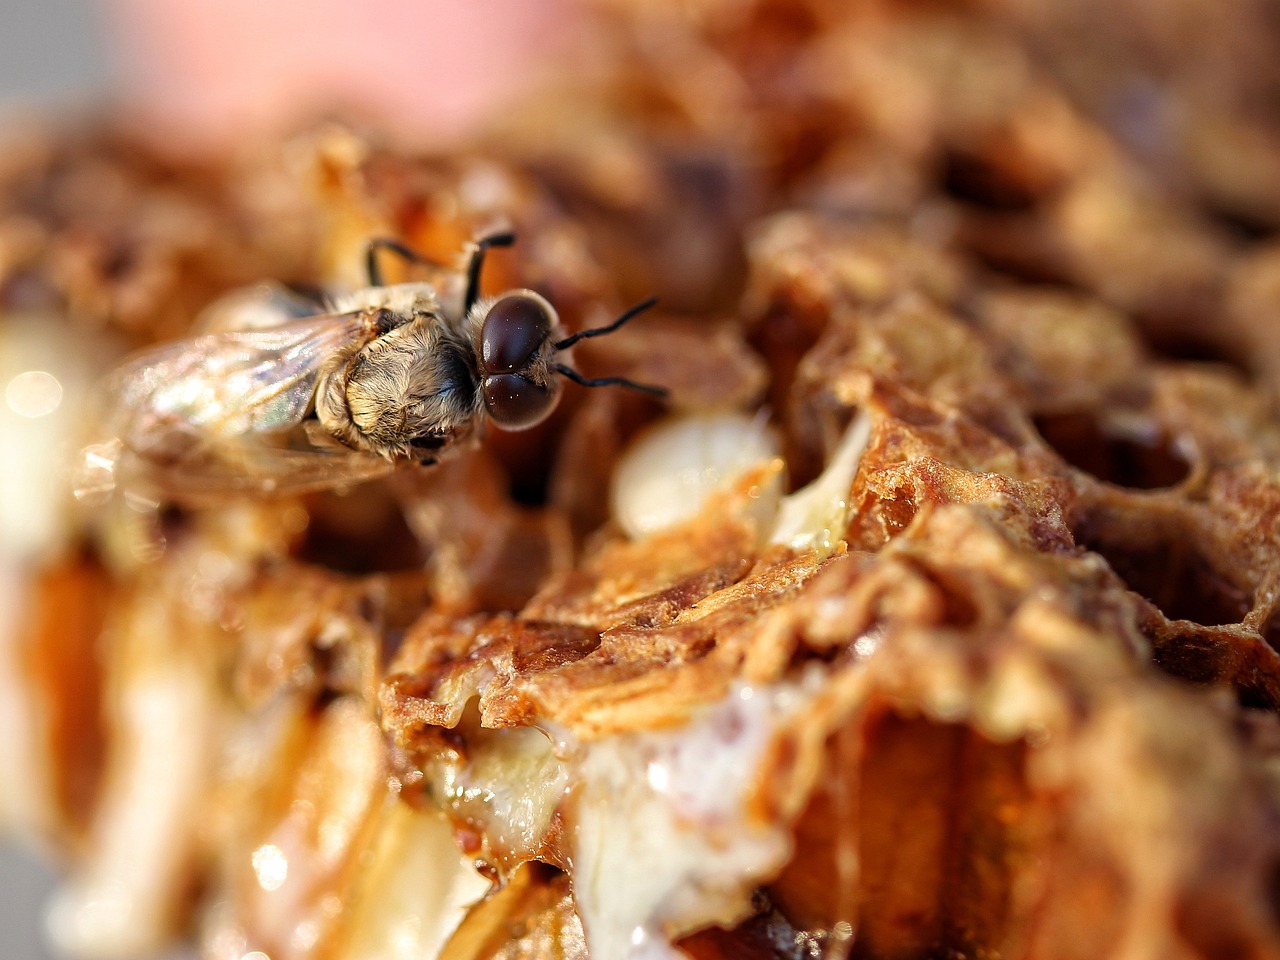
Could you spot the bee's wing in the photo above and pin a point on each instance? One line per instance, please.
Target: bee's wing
(264, 306)
(221, 413)
(227, 383)
(218, 471)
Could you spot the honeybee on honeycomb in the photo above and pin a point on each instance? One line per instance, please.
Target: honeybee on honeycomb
(933, 611)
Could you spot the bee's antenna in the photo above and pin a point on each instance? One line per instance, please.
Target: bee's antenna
(569, 341)
(505, 239)
(576, 377)
(395, 246)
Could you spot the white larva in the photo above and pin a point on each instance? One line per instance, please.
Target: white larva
(669, 471)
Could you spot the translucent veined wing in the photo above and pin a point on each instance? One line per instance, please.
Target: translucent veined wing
(264, 306)
(218, 471)
(222, 412)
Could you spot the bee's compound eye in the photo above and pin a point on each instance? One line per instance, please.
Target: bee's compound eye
(514, 328)
(515, 403)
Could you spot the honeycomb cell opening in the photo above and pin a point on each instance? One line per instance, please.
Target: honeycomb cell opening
(1196, 656)
(1182, 346)
(973, 178)
(915, 837)
(1159, 559)
(358, 535)
(1270, 629)
(1273, 891)
(1124, 460)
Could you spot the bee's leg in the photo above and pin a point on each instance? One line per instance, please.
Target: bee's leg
(428, 444)
(320, 438)
(504, 239)
(395, 246)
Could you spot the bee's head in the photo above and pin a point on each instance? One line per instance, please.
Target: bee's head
(517, 368)
(516, 377)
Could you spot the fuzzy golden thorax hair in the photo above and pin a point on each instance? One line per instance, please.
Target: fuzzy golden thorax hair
(414, 383)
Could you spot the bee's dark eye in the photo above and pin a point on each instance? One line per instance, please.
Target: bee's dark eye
(516, 403)
(514, 328)
(429, 442)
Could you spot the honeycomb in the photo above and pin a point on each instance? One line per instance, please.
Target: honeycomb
(981, 659)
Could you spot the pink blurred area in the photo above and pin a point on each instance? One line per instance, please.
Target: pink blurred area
(199, 73)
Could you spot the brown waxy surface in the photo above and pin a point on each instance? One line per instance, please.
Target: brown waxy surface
(1046, 639)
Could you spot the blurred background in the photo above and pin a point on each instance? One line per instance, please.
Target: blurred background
(51, 51)
(51, 54)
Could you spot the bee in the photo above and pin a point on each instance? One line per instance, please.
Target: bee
(278, 398)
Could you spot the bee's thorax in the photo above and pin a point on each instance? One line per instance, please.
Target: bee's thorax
(414, 383)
